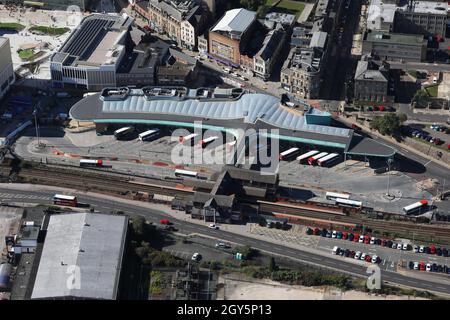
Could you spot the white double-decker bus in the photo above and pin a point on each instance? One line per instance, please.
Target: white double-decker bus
(206, 141)
(123, 133)
(288, 153)
(334, 196)
(64, 200)
(327, 159)
(149, 135)
(91, 163)
(189, 139)
(348, 203)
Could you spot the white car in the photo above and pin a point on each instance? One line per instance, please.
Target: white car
(399, 246)
(416, 249)
(196, 256)
(394, 245)
(363, 256)
(213, 226)
(357, 255)
(374, 258)
(428, 267)
(335, 250)
(421, 249)
(416, 266)
(361, 239)
(334, 234)
(372, 240)
(405, 246)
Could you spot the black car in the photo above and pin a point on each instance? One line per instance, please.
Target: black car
(427, 250)
(341, 252)
(439, 251)
(434, 267)
(448, 270)
(440, 268)
(170, 228)
(324, 233)
(445, 269)
(389, 244)
(411, 265)
(444, 252)
(347, 252)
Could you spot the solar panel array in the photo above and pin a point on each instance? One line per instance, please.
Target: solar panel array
(250, 108)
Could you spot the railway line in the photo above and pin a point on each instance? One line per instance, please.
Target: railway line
(95, 180)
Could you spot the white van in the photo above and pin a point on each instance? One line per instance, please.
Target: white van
(227, 70)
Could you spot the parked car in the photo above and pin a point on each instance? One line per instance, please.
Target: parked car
(416, 266)
(361, 239)
(422, 266)
(164, 221)
(375, 258)
(440, 268)
(309, 231)
(405, 246)
(399, 246)
(439, 251)
(384, 242)
(334, 234)
(316, 231)
(223, 245)
(356, 238)
(344, 236)
(329, 234)
(339, 235)
(372, 240)
(335, 250)
(448, 270)
(366, 239)
(427, 250)
(428, 267)
(422, 249)
(416, 249)
(350, 237)
(358, 255)
(213, 226)
(347, 252)
(363, 256)
(324, 233)
(352, 254)
(367, 258)
(432, 249)
(434, 267)
(411, 265)
(394, 245)
(444, 252)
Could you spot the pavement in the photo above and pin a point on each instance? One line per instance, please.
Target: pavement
(231, 233)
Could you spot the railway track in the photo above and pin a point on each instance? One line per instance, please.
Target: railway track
(92, 180)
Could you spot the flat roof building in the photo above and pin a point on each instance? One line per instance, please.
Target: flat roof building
(87, 246)
(395, 46)
(6, 66)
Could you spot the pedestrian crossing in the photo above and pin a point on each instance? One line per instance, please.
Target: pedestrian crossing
(5, 196)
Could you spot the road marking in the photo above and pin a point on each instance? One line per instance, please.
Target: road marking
(427, 163)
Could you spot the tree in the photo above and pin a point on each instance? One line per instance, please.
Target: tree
(388, 124)
(272, 266)
(139, 225)
(402, 117)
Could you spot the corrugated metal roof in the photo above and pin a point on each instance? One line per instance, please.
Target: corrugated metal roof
(249, 107)
(236, 20)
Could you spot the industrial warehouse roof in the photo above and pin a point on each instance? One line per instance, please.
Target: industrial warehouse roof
(259, 111)
(92, 242)
(236, 20)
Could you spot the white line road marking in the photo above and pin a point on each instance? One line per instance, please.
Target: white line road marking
(427, 163)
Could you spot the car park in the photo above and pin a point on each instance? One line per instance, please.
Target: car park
(428, 267)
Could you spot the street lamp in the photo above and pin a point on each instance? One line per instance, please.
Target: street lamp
(36, 126)
(389, 162)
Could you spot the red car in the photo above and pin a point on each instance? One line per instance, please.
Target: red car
(432, 249)
(368, 258)
(355, 127)
(382, 108)
(384, 242)
(164, 221)
(422, 266)
(366, 239)
(344, 235)
(316, 231)
(356, 238)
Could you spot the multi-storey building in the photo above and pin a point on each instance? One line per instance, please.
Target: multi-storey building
(230, 34)
(418, 17)
(372, 81)
(302, 70)
(395, 46)
(266, 58)
(51, 4)
(6, 66)
(181, 20)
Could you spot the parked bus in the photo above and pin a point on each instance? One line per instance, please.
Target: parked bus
(185, 173)
(189, 139)
(348, 203)
(334, 196)
(288, 153)
(205, 142)
(64, 200)
(307, 155)
(328, 159)
(415, 207)
(313, 159)
(149, 135)
(91, 163)
(123, 133)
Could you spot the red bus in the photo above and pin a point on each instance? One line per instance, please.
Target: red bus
(64, 200)
(313, 159)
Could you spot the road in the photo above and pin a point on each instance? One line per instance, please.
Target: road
(433, 67)
(106, 205)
